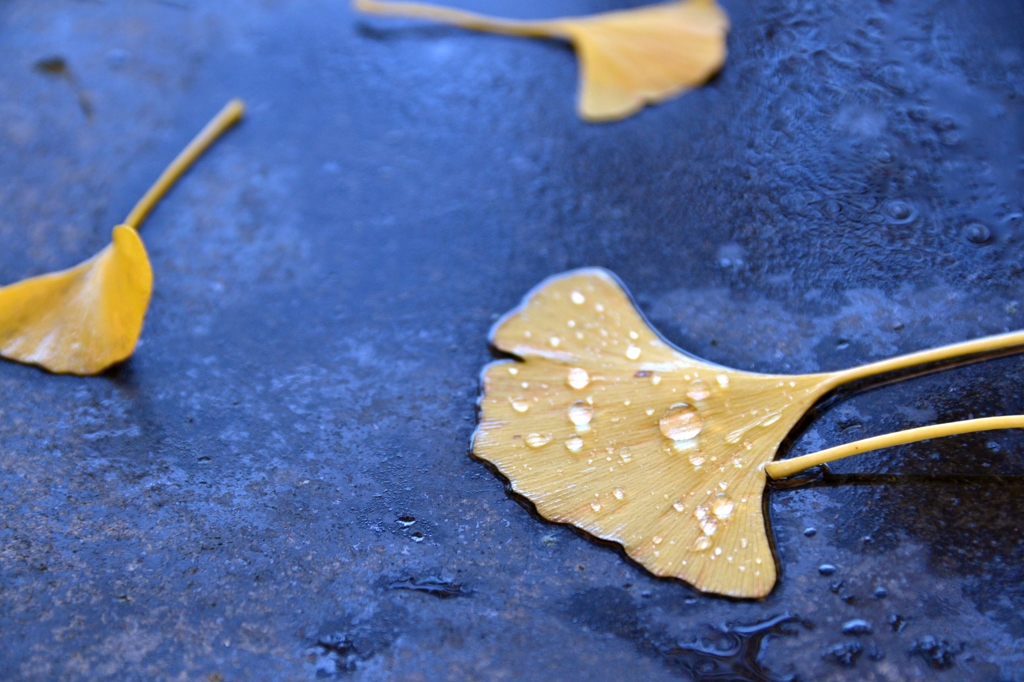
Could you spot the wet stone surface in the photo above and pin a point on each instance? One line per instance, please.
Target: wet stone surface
(235, 501)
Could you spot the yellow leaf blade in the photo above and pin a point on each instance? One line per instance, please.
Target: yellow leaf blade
(634, 58)
(586, 428)
(84, 319)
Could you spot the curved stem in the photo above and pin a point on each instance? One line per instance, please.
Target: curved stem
(468, 20)
(227, 117)
(987, 344)
(788, 467)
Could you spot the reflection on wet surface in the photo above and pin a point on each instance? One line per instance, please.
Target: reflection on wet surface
(329, 277)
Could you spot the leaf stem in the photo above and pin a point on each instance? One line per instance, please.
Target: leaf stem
(228, 116)
(788, 467)
(981, 346)
(468, 20)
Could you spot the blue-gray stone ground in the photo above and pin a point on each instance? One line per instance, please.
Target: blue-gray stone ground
(278, 484)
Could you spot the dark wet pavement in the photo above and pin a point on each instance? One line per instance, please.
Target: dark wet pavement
(277, 485)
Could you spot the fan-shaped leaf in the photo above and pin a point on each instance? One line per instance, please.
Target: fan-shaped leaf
(627, 58)
(81, 320)
(605, 425)
(89, 317)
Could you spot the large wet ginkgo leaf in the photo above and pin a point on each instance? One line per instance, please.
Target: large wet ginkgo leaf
(606, 426)
(89, 317)
(628, 58)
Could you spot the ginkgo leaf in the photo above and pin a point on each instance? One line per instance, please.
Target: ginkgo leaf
(81, 320)
(606, 426)
(89, 317)
(628, 58)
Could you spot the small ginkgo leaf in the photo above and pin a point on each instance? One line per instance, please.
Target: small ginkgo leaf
(89, 317)
(628, 58)
(81, 320)
(605, 425)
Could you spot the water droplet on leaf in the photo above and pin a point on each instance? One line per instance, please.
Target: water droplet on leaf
(681, 422)
(722, 507)
(536, 440)
(699, 390)
(520, 405)
(578, 378)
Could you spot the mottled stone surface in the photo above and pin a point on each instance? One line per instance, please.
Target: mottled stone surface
(277, 485)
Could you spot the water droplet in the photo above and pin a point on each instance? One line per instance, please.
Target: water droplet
(555, 341)
(580, 413)
(697, 458)
(681, 422)
(634, 336)
(718, 551)
(650, 411)
(536, 440)
(574, 443)
(723, 485)
(633, 352)
(598, 307)
(578, 378)
(702, 545)
(519, 405)
(571, 323)
(857, 626)
(657, 539)
(513, 371)
(772, 419)
(737, 462)
(977, 233)
(655, 379)
(699, 390)
(722, 507)
(709, 525)
(678, 506)
(743, 543)
(596, 506)
(722, 380)
(577, 298)
(900, 212)
(626, 455)
(619, 493)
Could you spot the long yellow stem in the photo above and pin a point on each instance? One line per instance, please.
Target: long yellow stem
(788, 467)
(228, 116)
(468, 20)
(950, 352)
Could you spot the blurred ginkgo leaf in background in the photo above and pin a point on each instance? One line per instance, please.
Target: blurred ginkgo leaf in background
(628, 58)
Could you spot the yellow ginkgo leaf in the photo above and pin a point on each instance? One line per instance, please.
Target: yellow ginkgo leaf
(605, 425)
(81, 320)
(89, 317)
(627, 58)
